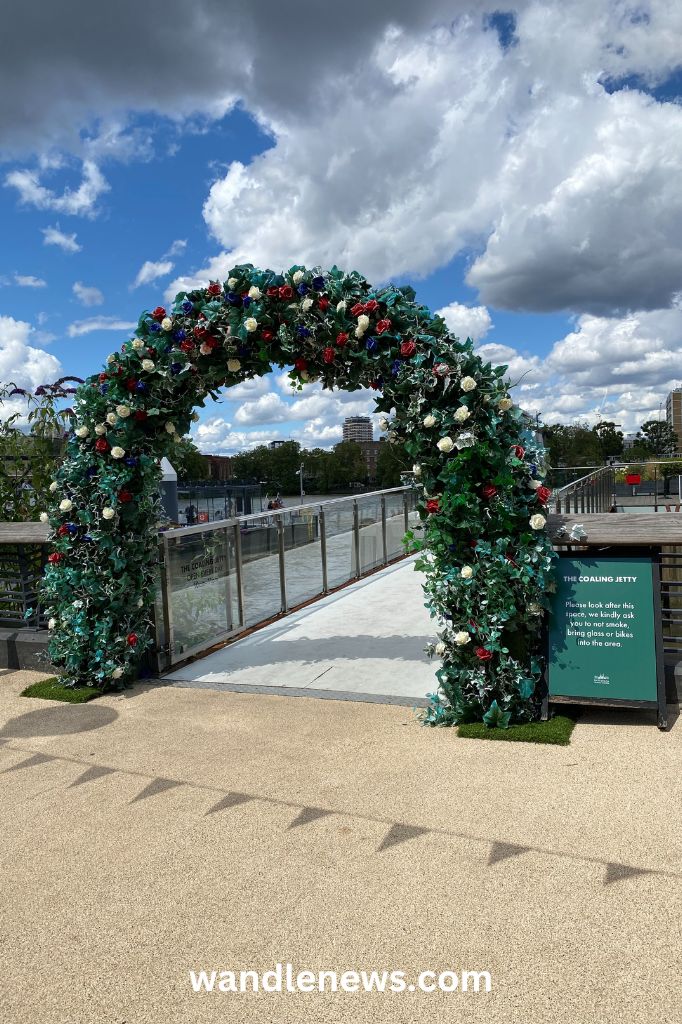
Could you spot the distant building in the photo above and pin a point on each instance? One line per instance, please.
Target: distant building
(370, 450)
(673, 413)
(276, 444)
(219, 467)
(357, 428)
(629, 440)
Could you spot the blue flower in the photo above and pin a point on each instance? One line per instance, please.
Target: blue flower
(233, 299)
(244, 350)
(180, 335)
(86, 536)
(318, 283)
(246, 302)
(72, 528)
(176, 367)
(187, 306)
(395, 367)
(371, 344)
(140, 386)
(92, 471)
(131, 461)
(154, 327)
(303, 332)
(168, 348)
(103, 388)
(302, 288)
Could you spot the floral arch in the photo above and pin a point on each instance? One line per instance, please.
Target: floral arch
(487, 559)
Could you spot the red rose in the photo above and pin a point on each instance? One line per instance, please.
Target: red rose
(357, 310)
(483, 654)
(375, 385)
(140, 415)
(301, 364)
(432, 506)
(131, 383)
(341, 339)
(55, 557)
(214, 288)
(544, 494)
(62, 531)
(328, 355)
(323, 304)
(519, 452)
(125, 496)
(267, 335)
(286, 292)
(371, 306)
(200, 332)
(159, 313)
(210, 343)
(489, 491)
(101, 444)
(408, 348)
(132, 639)
(102, 378)
(186, 346)
(382, 326)
(272, 293)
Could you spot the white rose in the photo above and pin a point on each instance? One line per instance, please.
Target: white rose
(44, 518)
(233, 365)
(446, 444)
(505, 404)
(205, 349)
(534, 484)
(137, 344)
(231, 282)
(51, 623)
(535, 609)
(298, 277)
(416, 469)
(383, 423)
(117, 453)
(251, 324)
(170, 428)
(462, 638)
(111, 359)
(466, 572)
(305, 375)
(65, 505)
(82, 432)
(462, 414)
(430, 420)
(140, 602)
(468, 384)
(123, 411)
(100, 429)
(254, 293)
(117, 673)
(166, 323)
(147, 364)
(340, 306)
(112, 418)
(108, 513)
(440, 649)
(537, 521)
(363, 322)
(306, 304)
(53, 486)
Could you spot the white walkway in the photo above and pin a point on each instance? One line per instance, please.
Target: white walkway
(365, 642)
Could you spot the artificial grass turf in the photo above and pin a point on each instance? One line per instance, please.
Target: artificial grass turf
(557, 730)
(52, 689)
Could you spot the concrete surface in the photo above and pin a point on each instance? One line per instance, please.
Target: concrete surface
(364, 642)
(167, 829)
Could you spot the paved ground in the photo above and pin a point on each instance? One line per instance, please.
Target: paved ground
(365, 642)
(169, 829)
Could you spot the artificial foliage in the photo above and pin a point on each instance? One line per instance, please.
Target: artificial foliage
(479, 466)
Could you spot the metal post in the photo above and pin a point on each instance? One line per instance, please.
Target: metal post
(167, 605)
(282, 576)
(228, 589)
(384, 544)
(406, 511)
(356, 537)
(323, 550)
(240, 572)
(656, 487)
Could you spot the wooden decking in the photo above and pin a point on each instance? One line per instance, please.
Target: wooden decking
(24, 533)
(657, 528)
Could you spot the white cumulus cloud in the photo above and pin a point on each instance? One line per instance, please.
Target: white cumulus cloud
(88, 294)
(65, 242)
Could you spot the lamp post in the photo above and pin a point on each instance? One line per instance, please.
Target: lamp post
(299, 474)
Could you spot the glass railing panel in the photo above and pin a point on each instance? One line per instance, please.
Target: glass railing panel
(302, 554)
(371, 545)
(201, 575)
(339, 529)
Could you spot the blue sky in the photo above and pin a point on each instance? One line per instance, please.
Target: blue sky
(528, 191)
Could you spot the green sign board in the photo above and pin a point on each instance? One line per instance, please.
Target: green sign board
(604, 633)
